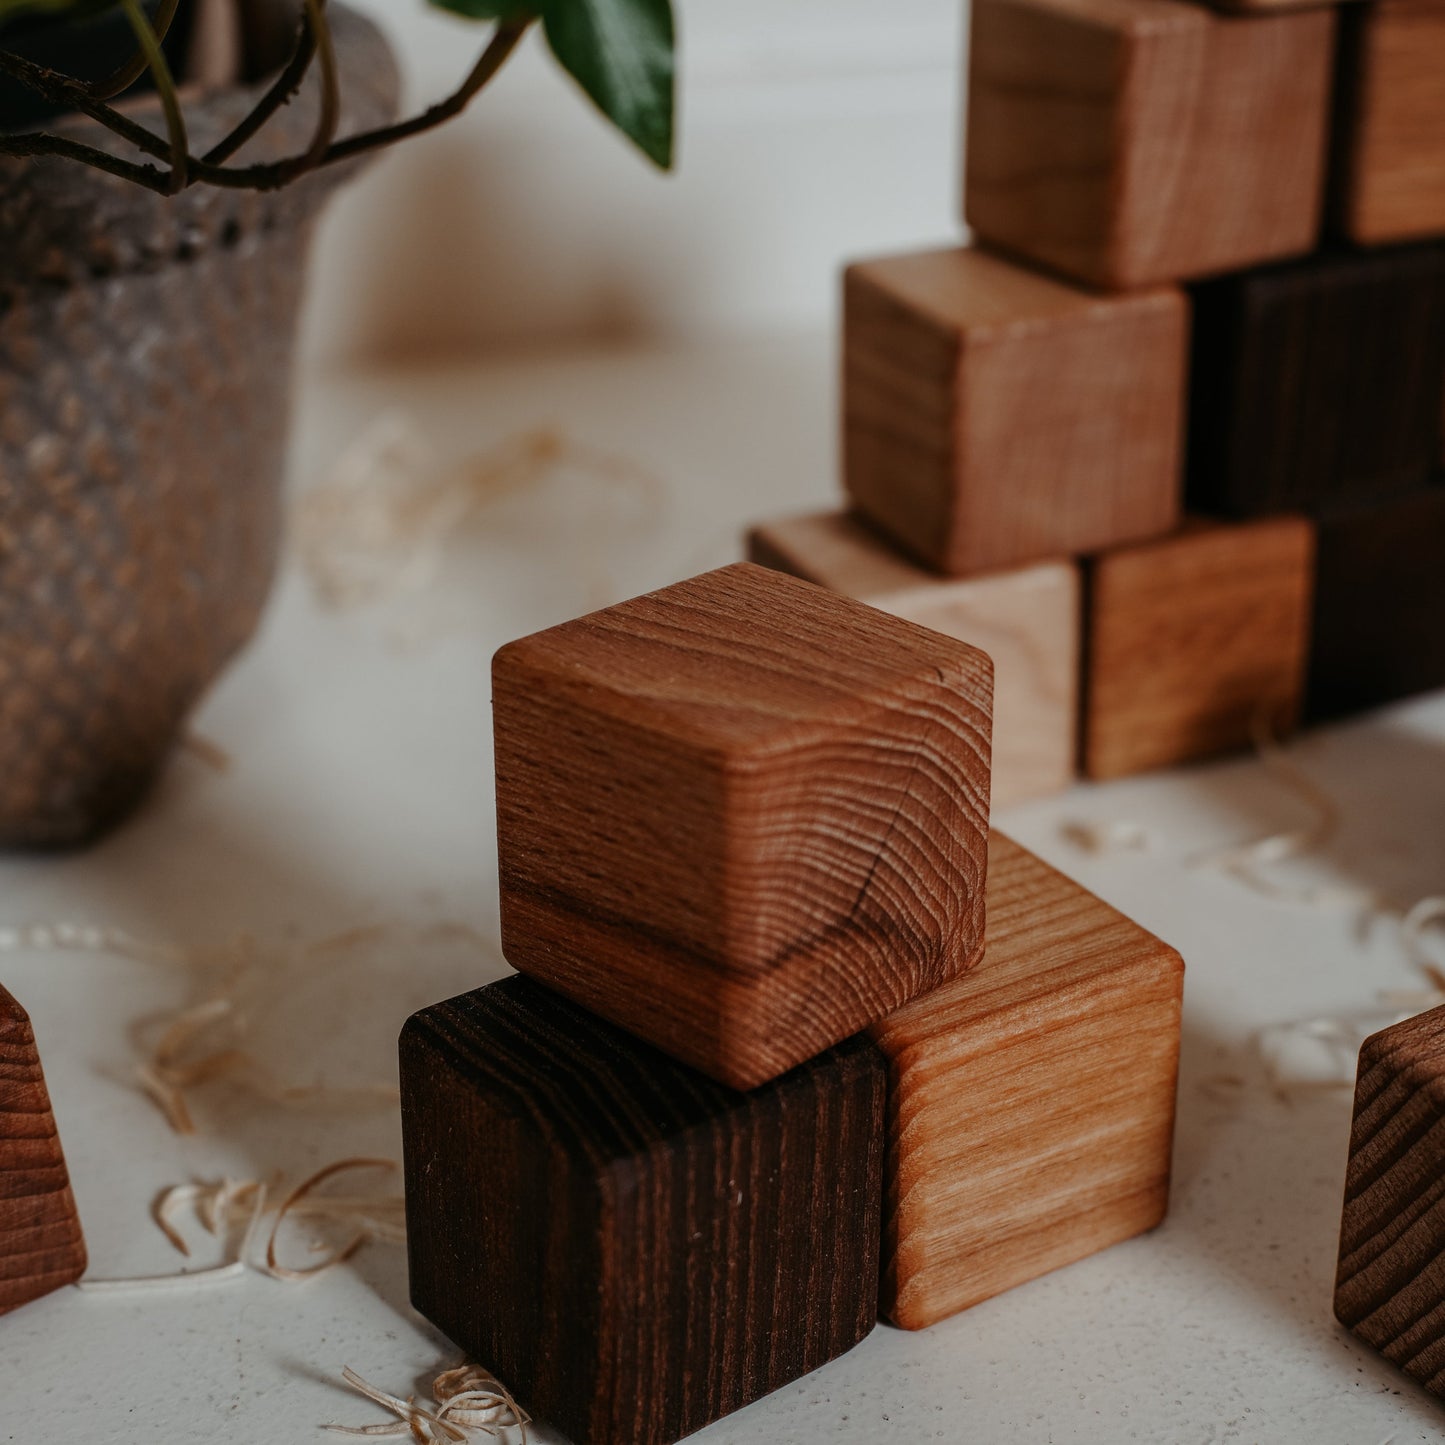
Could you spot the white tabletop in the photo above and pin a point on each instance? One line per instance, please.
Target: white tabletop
(359, 793)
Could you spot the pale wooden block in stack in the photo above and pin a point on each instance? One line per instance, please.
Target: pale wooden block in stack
(1031, 1111)
(1026, 618)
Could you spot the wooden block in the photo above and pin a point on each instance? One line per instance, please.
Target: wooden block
(994, 416)
(1390, 156)
(1026, 619)
(1390, 1288)
(1031, 1103)
(1318, 383)
(1129, 142)
(1379, 603)
(742, 817)
(1192, 642)
(635, 1250)
(41, 1246)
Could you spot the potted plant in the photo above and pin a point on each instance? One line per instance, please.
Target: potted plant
(162, 164)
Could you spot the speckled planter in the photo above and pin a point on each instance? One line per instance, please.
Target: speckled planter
(145, 381)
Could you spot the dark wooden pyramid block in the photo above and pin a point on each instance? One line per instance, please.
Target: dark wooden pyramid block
(41, 1246)
(634, 1249)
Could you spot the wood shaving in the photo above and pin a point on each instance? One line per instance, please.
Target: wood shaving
(1118, 836)
(466, 1399)
(380, 524)
(204, 750)
(369, 1230)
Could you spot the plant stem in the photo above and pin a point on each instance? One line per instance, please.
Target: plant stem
(166, 88)
(282, 90)
(39, 143)
(136, 66)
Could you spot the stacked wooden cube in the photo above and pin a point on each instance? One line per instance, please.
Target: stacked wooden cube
(797, 1038)
(1167, 437)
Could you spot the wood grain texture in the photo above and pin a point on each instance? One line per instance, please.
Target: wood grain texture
(1377, 631)
(1390, 148)
(1390, 1287)
(1318, 383)
(634, 1249)
(742, 817)
(1193, 641)
(1027, 619)
(993, 415)
(41, 1246)
(1129, 142)
(1031, 1104)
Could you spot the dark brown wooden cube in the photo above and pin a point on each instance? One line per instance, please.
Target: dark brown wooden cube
(41, 1245)
(1390, 1287)
(632, 1248)
(1317, 384)
(1379, 603)
(742, 817)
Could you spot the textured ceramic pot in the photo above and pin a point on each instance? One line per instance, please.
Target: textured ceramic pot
(145, 386)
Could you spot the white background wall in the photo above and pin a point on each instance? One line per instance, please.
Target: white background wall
(811, 131)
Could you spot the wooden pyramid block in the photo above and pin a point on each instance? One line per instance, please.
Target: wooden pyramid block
(742, 817)
(1031, 1103)
(635, 1249)
(41, 1246)
(1390, 1287)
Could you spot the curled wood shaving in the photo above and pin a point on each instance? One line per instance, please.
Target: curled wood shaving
(466, 1398)
(1118, 836)
(380, 524)
(206, 751)
(369, 1230)
(84, 938)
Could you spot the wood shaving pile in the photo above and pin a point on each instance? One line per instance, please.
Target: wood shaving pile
(223, 1207)
(466, 1400)
(380, 524)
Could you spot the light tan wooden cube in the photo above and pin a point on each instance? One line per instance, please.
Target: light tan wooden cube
(1026, 618)
(993, 415)
(1129, 142)
(1031, 1108)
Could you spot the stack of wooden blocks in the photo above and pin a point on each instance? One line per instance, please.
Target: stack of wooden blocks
(1167, 438)
(766, 1071)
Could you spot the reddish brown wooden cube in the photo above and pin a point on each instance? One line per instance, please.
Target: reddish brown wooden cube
(41, 1246)
(1390, 184)
(993, 416)
(1129, 142)
(1026, 618)
(742, 817)
(1031, 1102)
(1195, 643)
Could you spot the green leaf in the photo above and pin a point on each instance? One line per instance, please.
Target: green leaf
(621, 53)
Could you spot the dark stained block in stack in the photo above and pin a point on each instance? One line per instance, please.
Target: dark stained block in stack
(1379, 605)
(41, 1246)
(1317, 384)
(635, 1249)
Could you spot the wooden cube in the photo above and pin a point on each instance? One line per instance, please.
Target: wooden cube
(993, 416)
(1379, 602)
(1194, 642)
(1129, 142)
(1318, 383)
(1026, 618)
(41, 1245)
(1390, 160)
(1031, 1104)
(1390, 1287)
(742, 817)
(634, 1249)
